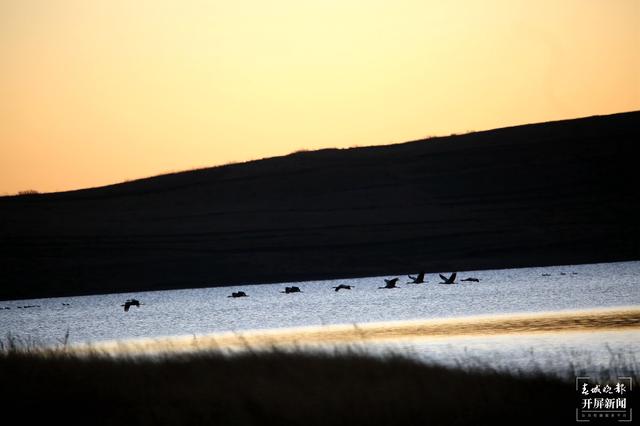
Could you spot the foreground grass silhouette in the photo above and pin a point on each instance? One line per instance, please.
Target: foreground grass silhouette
(273, 387)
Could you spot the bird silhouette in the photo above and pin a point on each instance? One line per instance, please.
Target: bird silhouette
(475, 280)
(129, 303)
(238, 294)
(292, 289)
(390, 283)
(450, 280)
(343, 287)
(417, 280)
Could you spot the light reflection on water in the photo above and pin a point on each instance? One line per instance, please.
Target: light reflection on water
(602, 319)
(209, 310)
(581, 342)
(583, 353)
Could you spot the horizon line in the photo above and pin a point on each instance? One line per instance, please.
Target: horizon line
(34, 192)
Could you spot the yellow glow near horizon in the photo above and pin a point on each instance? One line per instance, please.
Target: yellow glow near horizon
(96, 92)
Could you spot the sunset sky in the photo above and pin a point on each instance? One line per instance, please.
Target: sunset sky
(94, 92)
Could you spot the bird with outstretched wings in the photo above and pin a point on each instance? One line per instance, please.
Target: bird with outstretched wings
(342, 287)
(129, 303)
(390, 283)
(450, 280)
(417, 280)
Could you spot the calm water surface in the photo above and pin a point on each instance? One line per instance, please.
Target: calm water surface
(207, 310)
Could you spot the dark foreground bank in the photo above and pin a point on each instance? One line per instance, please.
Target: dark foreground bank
(543, 194)
(273, 389)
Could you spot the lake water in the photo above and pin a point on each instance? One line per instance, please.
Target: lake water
(98, 318)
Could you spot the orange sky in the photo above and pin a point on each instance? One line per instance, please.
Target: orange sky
(94, 92)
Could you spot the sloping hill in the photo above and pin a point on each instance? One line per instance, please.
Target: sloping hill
(551, 193)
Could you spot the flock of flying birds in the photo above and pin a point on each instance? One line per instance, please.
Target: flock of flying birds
(391, 283)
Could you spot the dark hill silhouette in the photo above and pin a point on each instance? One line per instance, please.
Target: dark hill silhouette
(552, 193)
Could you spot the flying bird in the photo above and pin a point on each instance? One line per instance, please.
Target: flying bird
(343, 287)
(129, 303)
(417, 280)
(292, 289)
(390, 283)
(238, 294)
(475, 280)
(450, 280)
